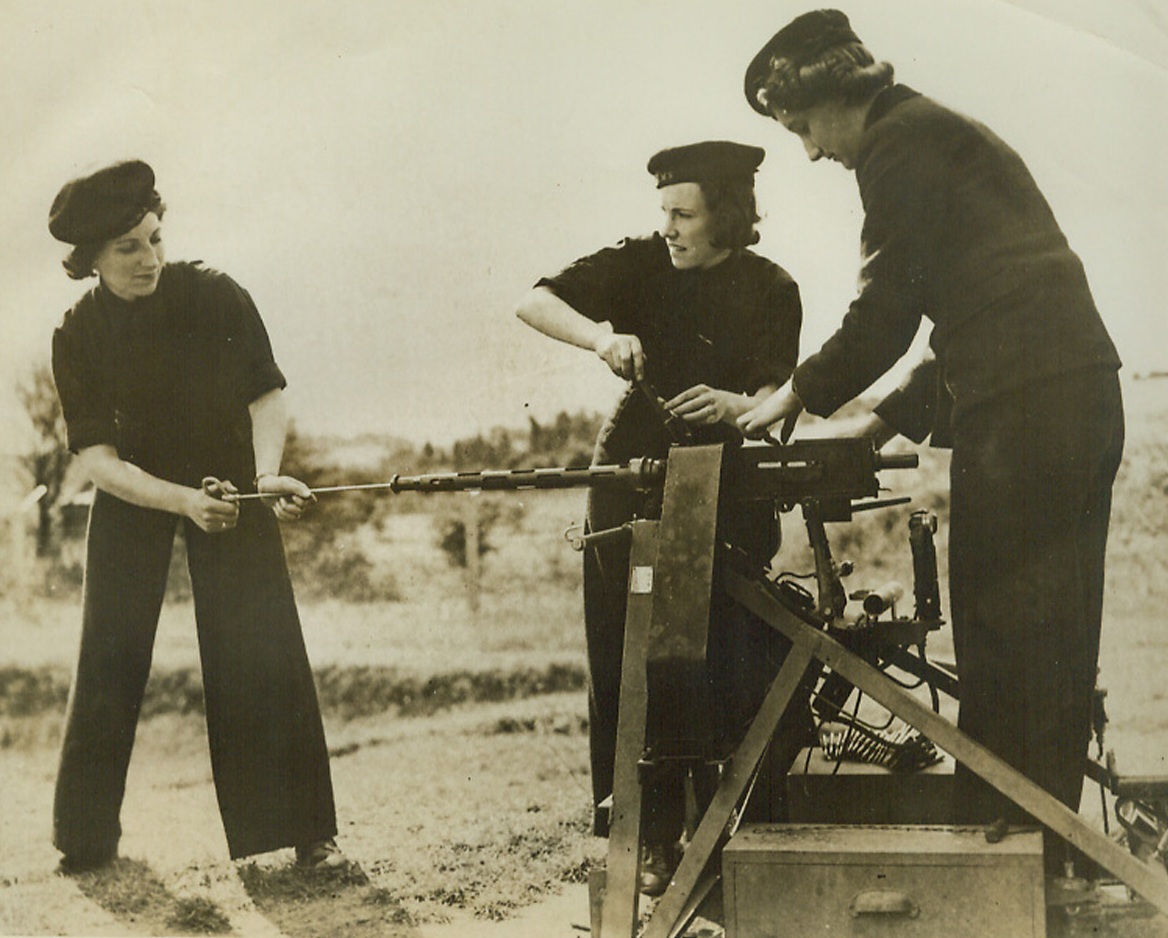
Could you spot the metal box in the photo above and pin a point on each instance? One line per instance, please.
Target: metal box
(802, 880)
(861, 793)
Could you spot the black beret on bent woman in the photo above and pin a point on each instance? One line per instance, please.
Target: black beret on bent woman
(166, 377)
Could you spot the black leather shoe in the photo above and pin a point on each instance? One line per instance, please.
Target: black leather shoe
(321, 855)
(74, 863)
(997, 831)
(658, 864)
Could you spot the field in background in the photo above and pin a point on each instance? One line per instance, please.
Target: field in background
(529, 609)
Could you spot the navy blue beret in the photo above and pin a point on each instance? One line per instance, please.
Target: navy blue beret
(104, 204)
(802, 41)
(708, 161)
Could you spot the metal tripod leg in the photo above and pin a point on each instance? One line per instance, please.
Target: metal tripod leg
(679, 723)
(663, 672)
(618, 916)
(1150, 882)
(668, 916)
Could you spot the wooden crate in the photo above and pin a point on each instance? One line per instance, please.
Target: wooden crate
(804, 880)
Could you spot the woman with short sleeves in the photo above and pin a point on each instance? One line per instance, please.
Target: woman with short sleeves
(702, 328)
(166, 379)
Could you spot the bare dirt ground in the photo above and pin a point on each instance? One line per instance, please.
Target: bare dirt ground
(435, 810)
(426, 807)
(466, 823)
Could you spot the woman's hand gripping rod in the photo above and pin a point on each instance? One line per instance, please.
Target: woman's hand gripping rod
(217, 489)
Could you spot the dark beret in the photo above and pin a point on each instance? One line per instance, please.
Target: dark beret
(707, 161)
(103, 205)
(802, 41)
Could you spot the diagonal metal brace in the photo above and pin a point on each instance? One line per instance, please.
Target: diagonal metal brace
(668, 916)
(1149, 881)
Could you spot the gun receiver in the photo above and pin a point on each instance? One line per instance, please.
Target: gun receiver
(832, 472)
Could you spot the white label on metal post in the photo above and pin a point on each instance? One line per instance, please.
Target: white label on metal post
(641, 580)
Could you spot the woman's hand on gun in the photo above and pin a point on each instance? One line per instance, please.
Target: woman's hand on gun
(622, 353)
(784, 405)
(703, 404)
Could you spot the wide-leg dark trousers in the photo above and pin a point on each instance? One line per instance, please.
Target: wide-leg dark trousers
(267, 745)
(1031, 483)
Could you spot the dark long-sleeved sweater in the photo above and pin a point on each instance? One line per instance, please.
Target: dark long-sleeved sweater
(955, 230)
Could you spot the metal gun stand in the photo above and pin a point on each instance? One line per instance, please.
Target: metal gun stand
(671, 570)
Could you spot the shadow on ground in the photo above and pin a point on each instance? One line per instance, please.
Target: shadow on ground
(130, 892)
(325, 903)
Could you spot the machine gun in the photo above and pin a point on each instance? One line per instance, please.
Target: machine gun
(833, 472)
(672, 566)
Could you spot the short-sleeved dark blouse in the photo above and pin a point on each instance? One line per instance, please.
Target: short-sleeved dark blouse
(734, 326)
(167, 379)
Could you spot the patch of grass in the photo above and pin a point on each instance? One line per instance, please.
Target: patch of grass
(200, 916)
(30, 733)
(559, 724)
(130, 891)
(577, 871)
(379, 896)
(480, 818)
(355, 692)
(30, 691)
(345, 692)
(126, 888)
(318, 903)
(293, 884)
(502, 870)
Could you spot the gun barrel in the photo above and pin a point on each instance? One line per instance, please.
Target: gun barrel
(638, 473)
(896, 460)
(831, 470)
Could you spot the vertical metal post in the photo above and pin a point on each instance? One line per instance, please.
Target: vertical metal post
(680, 726)
(667, 916)
(618, 915)
(471, 525)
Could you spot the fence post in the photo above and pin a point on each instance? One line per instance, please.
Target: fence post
(474, 561)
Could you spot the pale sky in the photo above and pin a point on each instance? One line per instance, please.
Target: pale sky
(388, 178)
